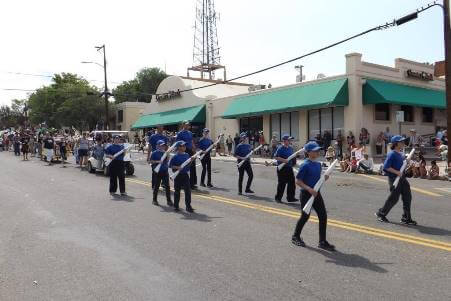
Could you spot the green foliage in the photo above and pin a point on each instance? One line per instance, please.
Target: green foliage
(68, 101)
(146, 81)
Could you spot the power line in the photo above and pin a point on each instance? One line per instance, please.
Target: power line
(395, 22)
(51, 76)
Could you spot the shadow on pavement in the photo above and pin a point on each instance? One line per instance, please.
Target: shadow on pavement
(127, 198)
(200, 217)
(258, 198)
(427, 229)
(350, 260)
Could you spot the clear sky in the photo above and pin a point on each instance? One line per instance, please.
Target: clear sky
(46, 37)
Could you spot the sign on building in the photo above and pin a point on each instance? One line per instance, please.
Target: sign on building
(399, 116)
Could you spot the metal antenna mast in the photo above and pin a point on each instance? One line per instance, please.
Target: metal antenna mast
(206, 58)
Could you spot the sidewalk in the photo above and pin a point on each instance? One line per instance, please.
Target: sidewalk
(261, 161)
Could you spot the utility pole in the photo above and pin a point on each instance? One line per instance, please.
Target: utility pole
(105, 91)
(447, 31)
(299, 67)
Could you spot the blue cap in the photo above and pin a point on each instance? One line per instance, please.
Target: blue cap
(312, 147)
(397, 138)
(206, 130)
(243, 135)
(180, 143)
(286, 137)
(161, 142)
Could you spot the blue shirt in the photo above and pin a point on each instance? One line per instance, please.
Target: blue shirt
(243, 149)
(156, 156)
(284, 152)
(309, 172)
(113, 149)
(204, 143)
(395, 161)
(186, 136)
(178, 160)
(154, 139)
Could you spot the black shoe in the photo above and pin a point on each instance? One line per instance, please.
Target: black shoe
(210, 185)
(292, 200)
(278, 201)
(249, 191)
(176, 208)
(194, 187)
(297, 241)
(190, 209)
(381, 218)
(123, 194)
(202, 184)
(326, 246)
(170, 204)
(409, 221)
(240, 193)
(155, 202)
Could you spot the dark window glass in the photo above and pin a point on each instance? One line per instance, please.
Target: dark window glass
(408, 113)
(382, 111)
(120, 116)
(428, 114)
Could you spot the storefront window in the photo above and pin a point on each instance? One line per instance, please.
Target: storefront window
(313, 124)
(285, 123)
(275, 125)
(408, 113)
(382, 111)
(251, 125)
(428, 115)
(328, 119)
(339, 120)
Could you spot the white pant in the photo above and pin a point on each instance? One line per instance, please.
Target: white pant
(49, 154)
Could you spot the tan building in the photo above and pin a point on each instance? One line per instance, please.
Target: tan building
(366, 96)
(127, 113)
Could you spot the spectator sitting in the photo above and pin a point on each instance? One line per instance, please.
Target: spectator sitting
(434, 171)
(344, 164)
(353, 166)
(443, 149)
(330, 154)
(366, 164)
(381, 168)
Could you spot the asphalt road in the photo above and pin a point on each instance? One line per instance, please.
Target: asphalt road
(63, 237)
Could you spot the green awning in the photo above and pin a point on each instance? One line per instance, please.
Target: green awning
(192, 114)
(377, 91)
(315, 95)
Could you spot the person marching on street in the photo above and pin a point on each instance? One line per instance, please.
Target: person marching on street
(154, 138)
(48, 143)
(310, 173)
(182, 181)
(241, 151)
(25, 141)
(285, 176)
(203, 144)
(163, 175)
(186, 136)
(117, 167)
(392, 166)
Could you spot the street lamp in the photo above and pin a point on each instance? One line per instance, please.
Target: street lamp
(106, 94)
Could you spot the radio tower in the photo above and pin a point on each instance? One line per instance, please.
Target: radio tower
(206, 58)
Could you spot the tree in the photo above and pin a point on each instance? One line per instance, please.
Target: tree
(69, 101)
(139, 89)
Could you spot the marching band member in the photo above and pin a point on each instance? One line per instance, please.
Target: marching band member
(154, 138)
(117, 167)
(392, 166)
(310, 173)
(285, 176)
(187, 136)
(204, 143)
(241, 151)
(162, 176)
(182, 181)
